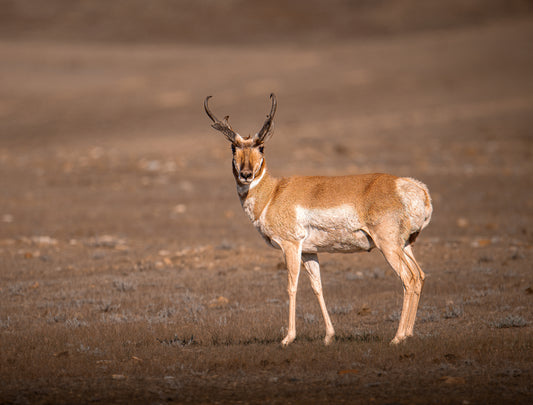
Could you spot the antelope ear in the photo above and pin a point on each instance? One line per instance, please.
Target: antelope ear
(260, 142)
(237, 140)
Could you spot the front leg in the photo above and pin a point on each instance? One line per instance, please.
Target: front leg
(310, 261)
(293, 253)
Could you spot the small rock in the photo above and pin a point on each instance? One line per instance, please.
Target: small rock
(150, 165)
(462, 222)
(481, 243)
(7, 218)
(358, 275)
(448, 379)
(517, 255)
(220, 302)
(182, 252)
(44, 240)
(450, 357)
(225, 245)
(98, 255)
(179, 209)
(118, 377)
(106, 241)
(363, 311)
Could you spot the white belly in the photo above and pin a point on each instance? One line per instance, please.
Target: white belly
(332, 230)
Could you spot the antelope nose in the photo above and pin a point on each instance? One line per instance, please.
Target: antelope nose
(246, 175)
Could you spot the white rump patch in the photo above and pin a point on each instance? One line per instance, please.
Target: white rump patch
(416, 200)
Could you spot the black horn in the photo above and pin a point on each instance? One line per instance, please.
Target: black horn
(222, 126)
(207, 111)
(267, 126)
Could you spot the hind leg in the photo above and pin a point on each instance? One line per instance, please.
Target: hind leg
(405, 266)
(419, 283)
(312, 267)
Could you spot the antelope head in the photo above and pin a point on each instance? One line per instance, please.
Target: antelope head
(247, 152)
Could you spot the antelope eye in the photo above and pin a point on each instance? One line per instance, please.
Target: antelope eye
(261, 149)
(233, 148)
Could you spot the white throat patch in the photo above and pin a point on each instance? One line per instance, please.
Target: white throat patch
(257, 180)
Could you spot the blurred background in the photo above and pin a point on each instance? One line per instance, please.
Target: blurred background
(110, 68)
(107, 96)
(242, 22)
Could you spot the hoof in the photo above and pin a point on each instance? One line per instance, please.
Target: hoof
(397, 340)
(329, 340)
(287, 341)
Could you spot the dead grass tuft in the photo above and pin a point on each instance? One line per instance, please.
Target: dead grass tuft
(510, 321)
(124, 285)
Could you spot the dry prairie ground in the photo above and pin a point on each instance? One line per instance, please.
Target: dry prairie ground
(129, 273)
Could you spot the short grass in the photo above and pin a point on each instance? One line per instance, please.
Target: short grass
(207, 326)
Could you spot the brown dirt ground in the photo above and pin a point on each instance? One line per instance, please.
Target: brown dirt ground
(129, 273)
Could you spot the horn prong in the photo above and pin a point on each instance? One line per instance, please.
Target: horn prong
(222, 126)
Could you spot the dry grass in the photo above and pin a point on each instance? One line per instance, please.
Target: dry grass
(124, 332)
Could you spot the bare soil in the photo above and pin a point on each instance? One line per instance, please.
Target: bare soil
(130, 274)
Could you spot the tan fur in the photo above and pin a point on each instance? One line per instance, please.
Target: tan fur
(304, 215)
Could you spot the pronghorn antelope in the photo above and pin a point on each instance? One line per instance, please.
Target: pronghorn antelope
(306, 215)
